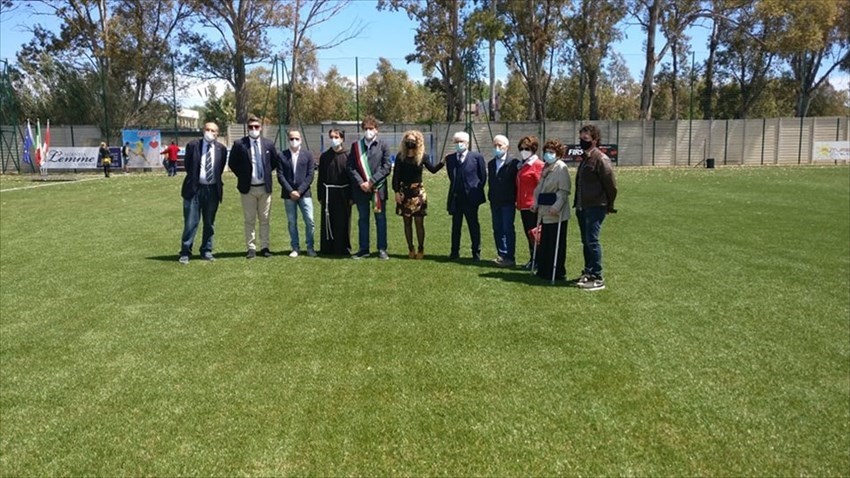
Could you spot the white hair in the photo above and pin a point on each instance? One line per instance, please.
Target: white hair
(501, 139)
(461, 136)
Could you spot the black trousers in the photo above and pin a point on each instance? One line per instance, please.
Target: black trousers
(529, 221)
(464, 209)
(547, 256)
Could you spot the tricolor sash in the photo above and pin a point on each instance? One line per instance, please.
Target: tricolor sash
(360, 151)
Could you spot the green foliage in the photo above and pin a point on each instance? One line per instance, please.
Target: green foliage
(710, 353)
(392, 97)
(513, 99)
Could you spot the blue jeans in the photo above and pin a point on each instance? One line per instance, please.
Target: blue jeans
(589, 224)
(306, 207)
(172, 168)
(504, 232)
(204, 205)
(364, 208)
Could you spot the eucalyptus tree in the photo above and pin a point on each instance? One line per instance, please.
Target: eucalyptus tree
(592, 27)
(226, 37)
(443, 41)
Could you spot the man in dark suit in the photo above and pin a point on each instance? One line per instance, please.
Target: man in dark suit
(202, 191)
(252, 159)
(369, 165)
(502, 172)
(467, 177)
(295, 175)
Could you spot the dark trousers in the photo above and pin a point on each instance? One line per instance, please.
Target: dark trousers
(529, 221)
(364, 210)
(590, 224)
(464, 209)
(204, 205)
(547, 256)
(106, 170)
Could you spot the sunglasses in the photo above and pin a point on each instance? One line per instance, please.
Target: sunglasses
(254, 126)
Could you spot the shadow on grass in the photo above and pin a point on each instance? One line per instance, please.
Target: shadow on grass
(523, 277)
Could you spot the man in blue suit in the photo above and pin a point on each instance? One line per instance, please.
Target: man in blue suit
(295, 175)
(202, 191)
(467, 176)
(252, 159)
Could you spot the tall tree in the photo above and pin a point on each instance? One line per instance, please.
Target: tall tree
(309, 14)
(649, 14)
(513, 99)
(486, 25)
(746, 55)
(126, 42)
(815, 39)
(441, 45)
(241, 27)
(591, 29)
(531, 40)
(674, 21)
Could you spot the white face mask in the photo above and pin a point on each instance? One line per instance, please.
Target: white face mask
(294, 143)
(254, 133)
(370, 134)
(525, 154)
(209, 136)
(336, 142)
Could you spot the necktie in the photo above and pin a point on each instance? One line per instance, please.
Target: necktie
(208, 166)
(258, 159)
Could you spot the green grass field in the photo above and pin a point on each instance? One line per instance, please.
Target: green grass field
(721, 346)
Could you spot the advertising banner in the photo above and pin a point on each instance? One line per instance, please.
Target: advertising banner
(144, 148)
(574, 152)
(61, 157)
(831, 151)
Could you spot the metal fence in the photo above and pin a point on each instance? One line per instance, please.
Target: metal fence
(774, 141)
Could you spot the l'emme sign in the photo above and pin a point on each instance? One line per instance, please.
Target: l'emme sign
(831, 151)
(72, 158)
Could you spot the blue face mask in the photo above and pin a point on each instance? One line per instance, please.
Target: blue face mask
(549, 157)
(460, 147)
(498, 152)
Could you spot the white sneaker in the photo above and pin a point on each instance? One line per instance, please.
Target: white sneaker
(293, 254)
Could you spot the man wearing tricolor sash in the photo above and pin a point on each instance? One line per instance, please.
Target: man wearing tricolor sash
(369, 166)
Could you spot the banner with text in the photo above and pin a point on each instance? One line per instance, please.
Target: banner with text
(61, 157)
(831, 151)
(143, 148)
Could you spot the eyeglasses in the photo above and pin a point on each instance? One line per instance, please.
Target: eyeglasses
(254, 126)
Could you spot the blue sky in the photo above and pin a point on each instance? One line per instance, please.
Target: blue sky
(387, 34)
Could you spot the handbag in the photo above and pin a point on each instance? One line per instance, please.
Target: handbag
(546, 199)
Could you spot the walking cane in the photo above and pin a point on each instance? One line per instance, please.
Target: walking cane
(555, 254)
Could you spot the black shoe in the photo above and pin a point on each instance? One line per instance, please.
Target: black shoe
(361, 255)
(476, 258)
(251, 254)
(454, 256)
(265, 252)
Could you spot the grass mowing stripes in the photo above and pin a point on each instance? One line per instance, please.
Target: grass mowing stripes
(721, 346)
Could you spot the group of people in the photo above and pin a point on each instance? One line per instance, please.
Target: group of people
(362, 174)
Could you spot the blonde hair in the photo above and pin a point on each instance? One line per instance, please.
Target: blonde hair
(419, 153)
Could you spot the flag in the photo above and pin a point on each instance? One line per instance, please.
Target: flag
(28, 144)
(46, 148)
(38, 144)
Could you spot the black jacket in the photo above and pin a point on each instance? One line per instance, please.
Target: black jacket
(240, 163)
(502, 190)
(192, 163)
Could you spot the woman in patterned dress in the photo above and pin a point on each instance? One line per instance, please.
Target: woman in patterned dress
(411, 200)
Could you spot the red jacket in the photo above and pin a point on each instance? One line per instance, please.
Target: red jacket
(526, 180)
(171, 150)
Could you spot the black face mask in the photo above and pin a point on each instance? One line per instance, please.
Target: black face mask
(410, 144)
(585, 145)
